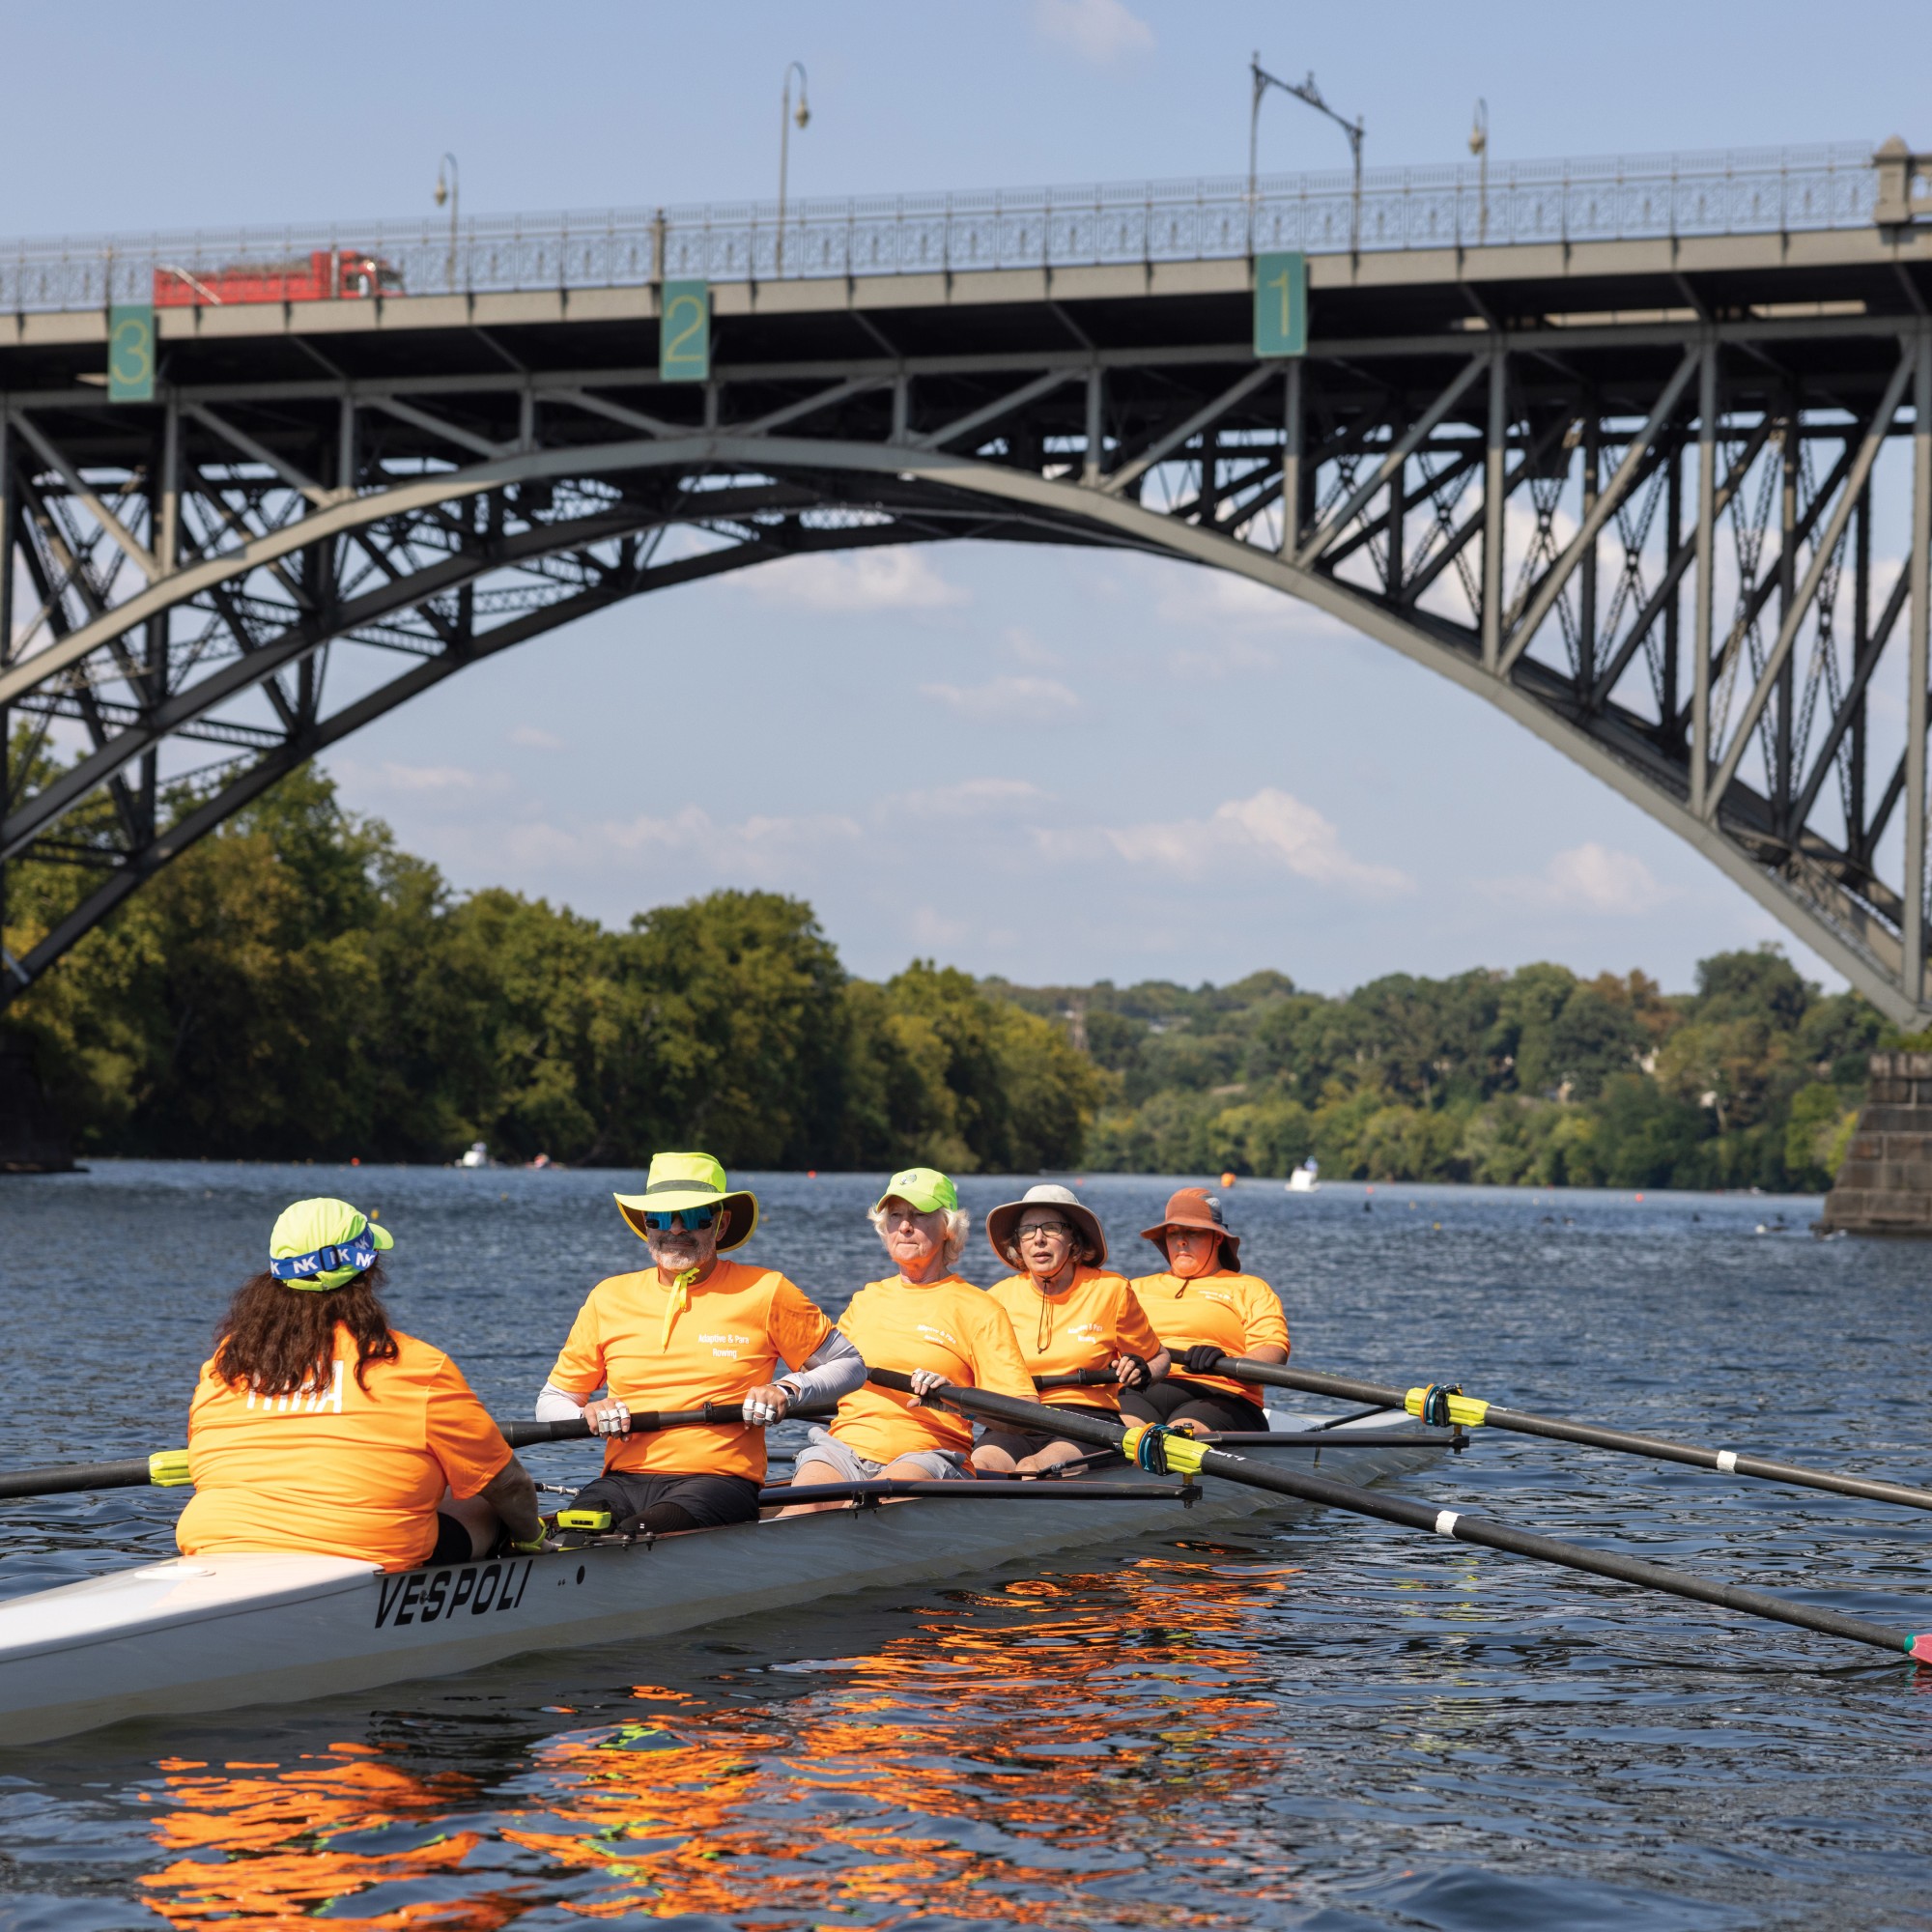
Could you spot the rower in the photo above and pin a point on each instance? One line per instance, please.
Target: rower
(691, 1329)
(926, 1322)
(1202, 1307)
(318, 1428)
(1070, 1313)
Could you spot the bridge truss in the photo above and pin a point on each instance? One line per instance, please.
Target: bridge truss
(1688, 547)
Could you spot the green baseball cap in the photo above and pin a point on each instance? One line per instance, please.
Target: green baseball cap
(926, 1187)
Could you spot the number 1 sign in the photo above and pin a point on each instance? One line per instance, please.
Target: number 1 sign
(1281, 304)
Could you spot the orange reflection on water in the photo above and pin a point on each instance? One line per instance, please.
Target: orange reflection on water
(271, 1834)
(992, 1772)
(1019, 1760)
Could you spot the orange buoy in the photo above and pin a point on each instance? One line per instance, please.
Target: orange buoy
(1226, 1180)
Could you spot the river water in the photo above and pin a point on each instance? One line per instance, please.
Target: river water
(1329, 1723)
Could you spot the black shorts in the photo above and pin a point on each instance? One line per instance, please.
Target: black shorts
(1020, 1443)
(452, 1542)
(1173, 1401)
(707, 1501)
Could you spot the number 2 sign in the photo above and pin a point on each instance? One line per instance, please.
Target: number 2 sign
(684, 334)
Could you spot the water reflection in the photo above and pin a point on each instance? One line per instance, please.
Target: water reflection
(926, 1778)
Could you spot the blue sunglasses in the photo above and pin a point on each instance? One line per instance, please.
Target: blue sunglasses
(694, 1220)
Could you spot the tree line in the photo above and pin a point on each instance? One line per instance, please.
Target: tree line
(296, 987)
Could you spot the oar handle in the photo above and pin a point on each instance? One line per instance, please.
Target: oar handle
(1067, 1378)
(648, 1421)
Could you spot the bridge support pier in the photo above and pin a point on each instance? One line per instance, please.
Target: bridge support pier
(1885, 1186)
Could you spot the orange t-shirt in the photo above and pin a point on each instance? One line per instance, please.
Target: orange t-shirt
(1094, 1320)
(948, 1326)
(1235, 1311)
(742, 1322)
(347, 1470)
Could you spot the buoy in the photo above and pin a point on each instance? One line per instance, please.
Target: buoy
(812, 1173)
(1226, 1180)
(354, 1160)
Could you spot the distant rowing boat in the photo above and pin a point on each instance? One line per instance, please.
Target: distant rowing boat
(212, 1632)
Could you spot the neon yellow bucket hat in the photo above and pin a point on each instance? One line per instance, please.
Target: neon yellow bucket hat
(323, 1243)
(925, 1187)
(691, 1180)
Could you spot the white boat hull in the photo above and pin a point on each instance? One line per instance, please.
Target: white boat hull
(208, 1633)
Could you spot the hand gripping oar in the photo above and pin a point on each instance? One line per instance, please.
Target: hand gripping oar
(1158, 1450)
(168, 1469)
(1442, 1403)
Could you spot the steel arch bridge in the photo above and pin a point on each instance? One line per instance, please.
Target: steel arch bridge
(1657, 486)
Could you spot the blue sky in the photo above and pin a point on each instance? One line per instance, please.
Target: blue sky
(1049, 765)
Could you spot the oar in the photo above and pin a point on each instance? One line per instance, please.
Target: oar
(648, 1421)
(1457, 1407)
(1084, 1378)
(168, 1469)
(984, 1490)
(1160, 1450)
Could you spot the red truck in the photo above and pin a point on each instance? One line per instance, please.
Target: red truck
(325, 276)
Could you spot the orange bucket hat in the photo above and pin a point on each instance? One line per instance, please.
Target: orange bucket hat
(1195, 1207)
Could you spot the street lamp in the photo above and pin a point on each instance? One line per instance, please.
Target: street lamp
(1479, 146)
(445, 190)
(786, 119)
(1306, 90)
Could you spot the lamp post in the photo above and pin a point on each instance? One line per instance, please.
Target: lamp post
(1306, 90)
(785, 148)
(445, 190)
(1479, 146)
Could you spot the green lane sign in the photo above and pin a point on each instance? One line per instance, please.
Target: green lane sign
(131, 354)
(684, 334)
(1281, 304)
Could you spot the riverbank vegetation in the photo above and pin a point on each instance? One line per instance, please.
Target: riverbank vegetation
(296, 987)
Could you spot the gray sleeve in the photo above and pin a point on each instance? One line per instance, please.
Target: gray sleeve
(834, 1369)
(553, 1406)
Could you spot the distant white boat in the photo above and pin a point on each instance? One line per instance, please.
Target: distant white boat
(1302, 1180)
(478, 1156)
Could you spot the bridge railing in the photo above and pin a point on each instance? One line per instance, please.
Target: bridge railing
(1745, 191)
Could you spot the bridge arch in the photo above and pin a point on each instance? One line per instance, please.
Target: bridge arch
(1650, 541)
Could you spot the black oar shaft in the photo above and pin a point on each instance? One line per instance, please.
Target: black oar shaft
(67, 1478)
(1521, 1422)
(1306, 1487)
(70, 1476)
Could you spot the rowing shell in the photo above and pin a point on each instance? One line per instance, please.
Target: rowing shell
(210, 1632)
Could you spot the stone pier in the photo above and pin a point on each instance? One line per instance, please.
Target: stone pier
(31, 1138)
(1885, 1186)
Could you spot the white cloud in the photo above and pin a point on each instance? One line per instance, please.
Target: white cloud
(1271, 825)
(933, 930)
(438, 778)
(1097, 30)
(1023, 645)
(760, 847)
(1007, 700)
(1587, 878)
(537, 741)
(971, 798)
(900, 578)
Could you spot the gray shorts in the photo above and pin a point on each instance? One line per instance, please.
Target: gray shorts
(938, 1466)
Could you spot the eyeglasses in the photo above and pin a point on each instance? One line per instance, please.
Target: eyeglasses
(694, 1220)
(1045, 1228)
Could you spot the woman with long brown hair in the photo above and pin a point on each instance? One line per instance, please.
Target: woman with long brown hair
(318, 1428)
